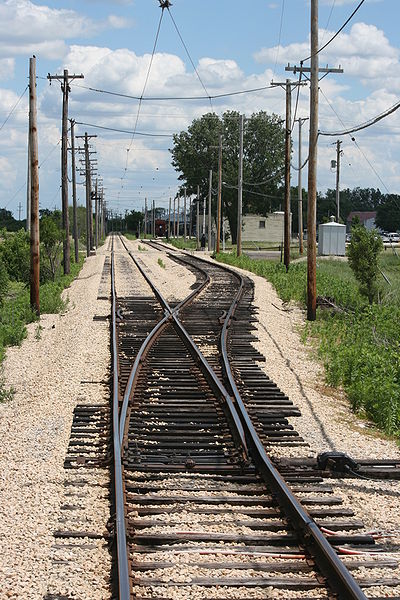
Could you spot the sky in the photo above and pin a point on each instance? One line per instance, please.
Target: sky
(203, 49)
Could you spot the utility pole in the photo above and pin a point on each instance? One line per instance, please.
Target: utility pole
(74, 208)
(19, 211)
(184, 214)
(198, 218)
(153, 224)
(88, 181)
(169, 219)
(174, 222)
(28, 185)
(240, 189)
(288, 132)
(179, 198)
(312, 172)
(210, 176)
(338, 154)
(34, 194)
(204, 216)
(219, 193)
(190, 218)
(300, 189)
(96, 215)
(312, 163)
(65, 79)
(145, 217)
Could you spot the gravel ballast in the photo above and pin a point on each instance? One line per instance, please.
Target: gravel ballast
(46, 372)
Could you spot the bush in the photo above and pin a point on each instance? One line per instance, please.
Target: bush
(15, 254)
(364, 249)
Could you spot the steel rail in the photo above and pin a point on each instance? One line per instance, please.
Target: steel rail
(122, 550)
(340, 579)
(213, 380)
(338, 576)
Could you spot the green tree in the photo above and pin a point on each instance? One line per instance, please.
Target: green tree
(364, 250)
(388, 213)
(132, 220)
(195, 152)
(51, 237)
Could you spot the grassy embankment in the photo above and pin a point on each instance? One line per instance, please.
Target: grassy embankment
(359, 344)
(15, 311)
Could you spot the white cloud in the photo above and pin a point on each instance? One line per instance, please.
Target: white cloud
(28, 28)
(6, 68)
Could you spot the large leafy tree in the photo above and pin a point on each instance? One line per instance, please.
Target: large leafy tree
(388, 213)
(195, 152)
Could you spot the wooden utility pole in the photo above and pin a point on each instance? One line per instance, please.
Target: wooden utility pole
(96, 214)
(145, 217)
(219, 205)
(300, 190)
(74, 207)
(240, 189)
(288, 133)
(65, 79)
(28, 185)
(184, 214)
(174, 222)
(286, 238)
(198, 218)
(338, 154)
(210, 176)
(153, 224)
(312, 172)
(34, 195)
(204, 216)
(178, 232)
(190, 218)
(312, 163)
(88, 181)
(169, 219)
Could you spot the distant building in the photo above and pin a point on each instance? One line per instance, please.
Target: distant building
(259, 228)
(367, 218)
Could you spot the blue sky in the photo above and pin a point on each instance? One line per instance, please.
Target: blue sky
(234, 45)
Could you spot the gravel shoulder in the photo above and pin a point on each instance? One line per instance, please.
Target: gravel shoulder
(46, 372)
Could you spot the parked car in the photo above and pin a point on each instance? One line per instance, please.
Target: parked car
(394, 237)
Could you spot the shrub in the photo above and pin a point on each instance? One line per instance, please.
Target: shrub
(15, 254)
(364, 249)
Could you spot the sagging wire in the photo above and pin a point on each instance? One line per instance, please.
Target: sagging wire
(187, 52)
(336, 34)
(14, 107)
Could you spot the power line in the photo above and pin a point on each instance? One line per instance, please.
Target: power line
(175, 98)
(279, 38)
(163, 135)
(187, 52)
(14, 107)
(353, 139)
(366, 124)
(337, 33)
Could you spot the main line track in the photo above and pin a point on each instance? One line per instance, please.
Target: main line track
(201, 510)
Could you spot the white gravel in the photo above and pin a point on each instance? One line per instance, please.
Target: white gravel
(46, 372)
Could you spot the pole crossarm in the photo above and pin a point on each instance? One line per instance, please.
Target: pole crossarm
(295, 69)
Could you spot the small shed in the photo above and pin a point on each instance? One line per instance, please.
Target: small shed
(332, 239)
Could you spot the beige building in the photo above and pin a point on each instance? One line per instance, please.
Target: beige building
(259, 228)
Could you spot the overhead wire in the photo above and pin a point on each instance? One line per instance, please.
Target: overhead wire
(188, 54)
(364, 125)
(337, 32)
(14, 107)
(356, 144)
(279, 38)
(174, 98)
(163, 135)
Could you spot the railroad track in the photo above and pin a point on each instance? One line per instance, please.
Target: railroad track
(201, 510)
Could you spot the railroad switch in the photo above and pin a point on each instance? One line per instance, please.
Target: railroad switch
(338, 462)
